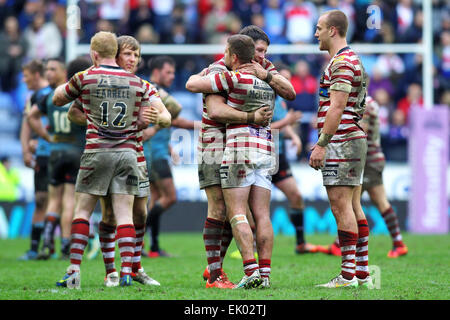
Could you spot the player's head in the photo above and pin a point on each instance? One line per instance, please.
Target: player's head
(162, 70)
(77, 65)
(128, 53)
(240, 49)
(33, 72)
(330, 26)
(103, 46)
(55, 72)
(260, 38)
(284, 70)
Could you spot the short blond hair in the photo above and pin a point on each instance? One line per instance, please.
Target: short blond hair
(105, 44)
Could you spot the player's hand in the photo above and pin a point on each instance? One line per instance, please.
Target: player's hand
(32, 145)
(297, 142)
(203, 72)
(150, 115)
(317, 158)
(254, 68)
(293, 116)
(28, 159)
(263, 116)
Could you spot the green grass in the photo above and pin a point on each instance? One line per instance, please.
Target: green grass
(423, 274)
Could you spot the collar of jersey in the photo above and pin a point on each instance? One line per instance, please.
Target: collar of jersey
(109, 67)
(342, 50)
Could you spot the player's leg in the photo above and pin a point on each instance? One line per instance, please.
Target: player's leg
(378, 197)
(68, 207)
(167, 191)
(259, 201)
(362, 245)
(290, 189)
(340, 198)
(125, 233)
(79, 235)
(139, 220)
(212, 231)
(236, 201)
(107, 238)
(52, 220)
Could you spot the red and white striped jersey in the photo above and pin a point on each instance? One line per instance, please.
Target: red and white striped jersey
(374, 151)
(112, 98)
(246, 93)
(344, 72)
(212, 134)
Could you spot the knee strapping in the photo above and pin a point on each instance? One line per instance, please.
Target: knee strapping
(238, 219)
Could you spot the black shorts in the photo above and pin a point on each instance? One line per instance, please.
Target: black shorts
(63, 167)
(41, 174)
(284, 169)
(160, 169)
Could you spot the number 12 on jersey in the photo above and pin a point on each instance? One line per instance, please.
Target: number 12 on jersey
(118, 120)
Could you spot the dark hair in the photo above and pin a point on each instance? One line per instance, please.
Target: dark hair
(337, 19)
(242, 46)
(57, 59)
(77, 65)
(34, 66)
(159, 61)
(256, 33)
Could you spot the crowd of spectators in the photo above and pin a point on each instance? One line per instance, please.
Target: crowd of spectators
(37, 29)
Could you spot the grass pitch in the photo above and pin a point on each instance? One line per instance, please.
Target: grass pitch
(424, 274)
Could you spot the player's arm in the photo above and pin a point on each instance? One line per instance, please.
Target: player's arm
(365, 121)
(290, 118)
(199, 84)
(219, 111)
(282, 86)
(34, 119)
(25, 137)
(68, 91)
(155, 113)
(76, 114)
(291, 134)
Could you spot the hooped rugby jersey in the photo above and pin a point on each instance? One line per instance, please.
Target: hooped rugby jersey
(111, 98)
(246, 143)
(374, 151)
(212, 134)
(344, 72)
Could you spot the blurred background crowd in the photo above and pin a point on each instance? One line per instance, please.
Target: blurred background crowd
(33, 29)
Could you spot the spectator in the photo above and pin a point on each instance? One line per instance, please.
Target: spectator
(162, 16)
(13, 48)
(89, 17)
(386, 108)
(146, 34)
(305, 86)
(377, 81)
(390, 65)
(245, 9)
(115, 11)
(404, 18)
(413, 97)
(396, 143)
(43, 39)
(104, 25)
(217, 22)
(413, 33)
(301, 18)
(140, 13)
(345, 6)
(275, 29)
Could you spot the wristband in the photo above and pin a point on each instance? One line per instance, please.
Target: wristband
(268, 78)
(324, 139)
(251, 117)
